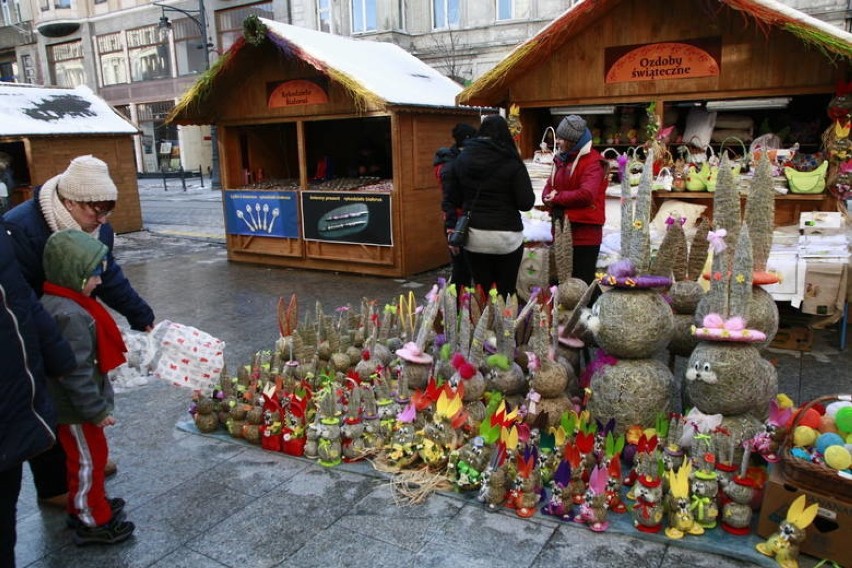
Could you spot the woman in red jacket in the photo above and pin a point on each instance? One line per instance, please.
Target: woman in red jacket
(577, 190)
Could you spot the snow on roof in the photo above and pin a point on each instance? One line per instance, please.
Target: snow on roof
(385, 69)
(29, 110)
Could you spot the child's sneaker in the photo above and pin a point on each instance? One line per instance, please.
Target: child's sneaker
(113, 532)
(116, 505)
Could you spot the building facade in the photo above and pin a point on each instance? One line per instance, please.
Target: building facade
(142, 56)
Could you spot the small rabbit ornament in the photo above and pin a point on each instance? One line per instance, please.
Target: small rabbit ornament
(681, 518)
(593, 511)
(784, 544)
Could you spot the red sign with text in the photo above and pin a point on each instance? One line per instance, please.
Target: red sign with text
(685, 59)
(296, 93)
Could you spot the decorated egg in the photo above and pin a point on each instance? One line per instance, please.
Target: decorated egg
(804, 436)
(825, 441)
(810, 418)
(838, 457)
(832, 408)
(801, 454)
(843, 419)
(826, 424)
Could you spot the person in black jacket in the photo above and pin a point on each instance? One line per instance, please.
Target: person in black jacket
(443, 160)
(489, 179)
(30, 346)
(82, 197)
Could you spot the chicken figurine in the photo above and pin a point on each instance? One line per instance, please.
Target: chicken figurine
(783, 545)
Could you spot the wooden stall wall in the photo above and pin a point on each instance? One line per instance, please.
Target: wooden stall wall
(755, 61)
(417, 138)
(50, 156)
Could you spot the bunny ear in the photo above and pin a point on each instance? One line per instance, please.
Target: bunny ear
(741, 277)
(800, 516)
(808, 516)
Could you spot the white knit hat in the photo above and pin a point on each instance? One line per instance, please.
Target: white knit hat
(86, 179)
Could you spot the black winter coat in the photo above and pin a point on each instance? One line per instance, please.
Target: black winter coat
(30, 343)
(30, 232)
(502, 181)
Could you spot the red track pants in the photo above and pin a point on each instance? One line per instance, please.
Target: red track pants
(86, 453)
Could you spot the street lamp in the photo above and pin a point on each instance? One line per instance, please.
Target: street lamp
(165, 27)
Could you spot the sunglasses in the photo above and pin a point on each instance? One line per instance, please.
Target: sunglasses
(100, 208)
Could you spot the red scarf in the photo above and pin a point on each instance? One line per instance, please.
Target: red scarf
(110, 346)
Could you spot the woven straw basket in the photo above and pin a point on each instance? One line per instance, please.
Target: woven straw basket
(811, 475)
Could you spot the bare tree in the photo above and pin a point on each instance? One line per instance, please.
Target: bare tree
(449, 58)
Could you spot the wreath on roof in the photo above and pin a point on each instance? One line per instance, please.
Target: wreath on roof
(254, 30)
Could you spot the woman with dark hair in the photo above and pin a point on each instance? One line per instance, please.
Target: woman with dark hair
(490, 181)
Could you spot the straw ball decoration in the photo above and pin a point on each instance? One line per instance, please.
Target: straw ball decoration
(570, 291)
(728, 378)
(475, 413)
(382, 354)
(509, 381)
(552, 407)
(685, 295)
(683, 342)
(634, 324)
(550, 380)
(474, 387)
(632, 391)
(569, 356)
(417, 374)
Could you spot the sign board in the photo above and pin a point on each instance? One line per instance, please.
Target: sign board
(684, 59)
(262, 213)
(347, 217)
(297, 92)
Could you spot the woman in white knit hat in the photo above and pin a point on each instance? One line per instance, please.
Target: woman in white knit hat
(82, 197)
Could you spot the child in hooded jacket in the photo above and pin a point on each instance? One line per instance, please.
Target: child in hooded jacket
(73, 264)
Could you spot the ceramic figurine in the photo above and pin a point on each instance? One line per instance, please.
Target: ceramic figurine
(681, 519)
(593, 511)
(784, 544)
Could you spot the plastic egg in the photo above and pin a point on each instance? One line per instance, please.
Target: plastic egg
(826, 424)
(838, 457)
(825, 441)
(804, 436)
(801, 454)
(843, 420)
(810, 418)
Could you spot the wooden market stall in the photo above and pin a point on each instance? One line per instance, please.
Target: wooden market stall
(43, 128)
(753, 66)
(326, 148)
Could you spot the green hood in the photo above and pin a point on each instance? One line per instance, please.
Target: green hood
(70, 257)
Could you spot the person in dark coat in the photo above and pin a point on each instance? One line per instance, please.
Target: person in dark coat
(489, 179)
(82, 197)
(444, 157)
(30, 346)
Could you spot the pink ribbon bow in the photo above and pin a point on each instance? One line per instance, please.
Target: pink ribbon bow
(717, 240)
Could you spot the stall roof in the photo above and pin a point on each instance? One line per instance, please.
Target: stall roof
(373, 72)
(487, 90)
(32, 110)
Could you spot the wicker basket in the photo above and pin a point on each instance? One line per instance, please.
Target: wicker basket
(810, 475)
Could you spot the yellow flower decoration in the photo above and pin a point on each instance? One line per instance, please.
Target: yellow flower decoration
(740, 278)
(637, 224)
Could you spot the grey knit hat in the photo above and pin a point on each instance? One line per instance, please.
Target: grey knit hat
(571, 128)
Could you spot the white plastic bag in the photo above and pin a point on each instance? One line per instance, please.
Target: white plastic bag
(141, 350)
(188, 357)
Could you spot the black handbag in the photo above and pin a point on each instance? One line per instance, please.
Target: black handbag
(458, 238)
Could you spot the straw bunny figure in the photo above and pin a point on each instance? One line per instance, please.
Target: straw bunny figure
(726, 374)
(594, 509)
(681, 518)
(784, 544)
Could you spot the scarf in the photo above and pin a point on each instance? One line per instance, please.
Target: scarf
(55, 213)
(110, 345)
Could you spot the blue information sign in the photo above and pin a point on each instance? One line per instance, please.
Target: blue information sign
(262, 213)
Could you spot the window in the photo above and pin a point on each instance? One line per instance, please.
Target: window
(66, 64)
(112, 59)
(29, 69)
(505, 10)
(189, 48)
(8, 71)
(61, 3)
(445, 14)
(149, 59)
(324, 23)
(229, 23)
(363, 16)
(44, 5)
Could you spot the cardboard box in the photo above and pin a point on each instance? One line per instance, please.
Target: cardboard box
(829, 536)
